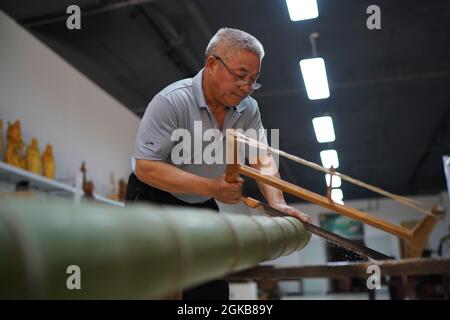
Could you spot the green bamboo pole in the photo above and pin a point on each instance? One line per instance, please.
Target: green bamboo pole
(136, 252)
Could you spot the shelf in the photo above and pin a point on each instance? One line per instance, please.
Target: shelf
(14, 175)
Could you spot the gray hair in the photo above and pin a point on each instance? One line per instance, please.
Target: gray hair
(227, 41)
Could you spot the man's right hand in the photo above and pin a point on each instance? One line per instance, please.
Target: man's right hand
(229, 193)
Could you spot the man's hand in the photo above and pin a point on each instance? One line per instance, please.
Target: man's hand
(225, 192)
(282, 206)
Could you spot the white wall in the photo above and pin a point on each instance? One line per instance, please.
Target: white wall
(59, 105)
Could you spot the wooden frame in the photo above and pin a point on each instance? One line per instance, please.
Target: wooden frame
(415, 238)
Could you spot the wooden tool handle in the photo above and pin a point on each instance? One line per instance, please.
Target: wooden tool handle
(231, 173)
(250, 202)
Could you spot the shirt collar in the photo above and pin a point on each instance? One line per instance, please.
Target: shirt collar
(197, 87)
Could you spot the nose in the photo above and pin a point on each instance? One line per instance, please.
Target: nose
(247, 88)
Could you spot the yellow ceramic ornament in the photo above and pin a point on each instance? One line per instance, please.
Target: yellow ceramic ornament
(33, 157)
(48, 162)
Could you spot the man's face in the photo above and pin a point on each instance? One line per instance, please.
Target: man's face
(244, 65)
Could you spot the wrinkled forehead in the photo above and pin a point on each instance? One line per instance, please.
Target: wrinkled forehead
(245, 61)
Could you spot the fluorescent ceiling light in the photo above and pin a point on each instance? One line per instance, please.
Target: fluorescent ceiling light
(323, 127)
(336, 181)
(302, 9)
(329, 158)
(337, 195)
(315, 78)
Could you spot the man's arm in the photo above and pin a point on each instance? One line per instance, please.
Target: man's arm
(153, 147)
(275, 196)
(169, 178)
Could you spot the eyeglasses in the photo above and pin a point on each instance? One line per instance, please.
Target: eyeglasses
(240, 82)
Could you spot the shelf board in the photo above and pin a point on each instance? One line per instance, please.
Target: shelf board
(14, 175)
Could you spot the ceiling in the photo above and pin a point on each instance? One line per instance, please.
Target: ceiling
(390, 88)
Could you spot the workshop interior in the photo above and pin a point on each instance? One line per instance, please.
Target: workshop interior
(104, 193)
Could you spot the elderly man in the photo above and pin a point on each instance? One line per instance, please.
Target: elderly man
(218, 97)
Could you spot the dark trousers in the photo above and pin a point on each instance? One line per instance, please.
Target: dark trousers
(139, 191)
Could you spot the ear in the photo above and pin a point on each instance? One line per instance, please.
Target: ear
(211, 64)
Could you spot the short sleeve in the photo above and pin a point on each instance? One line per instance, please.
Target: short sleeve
(254, 130)
(254, 122)
(153, 141)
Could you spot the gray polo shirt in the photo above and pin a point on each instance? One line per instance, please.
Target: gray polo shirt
(180, 106)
